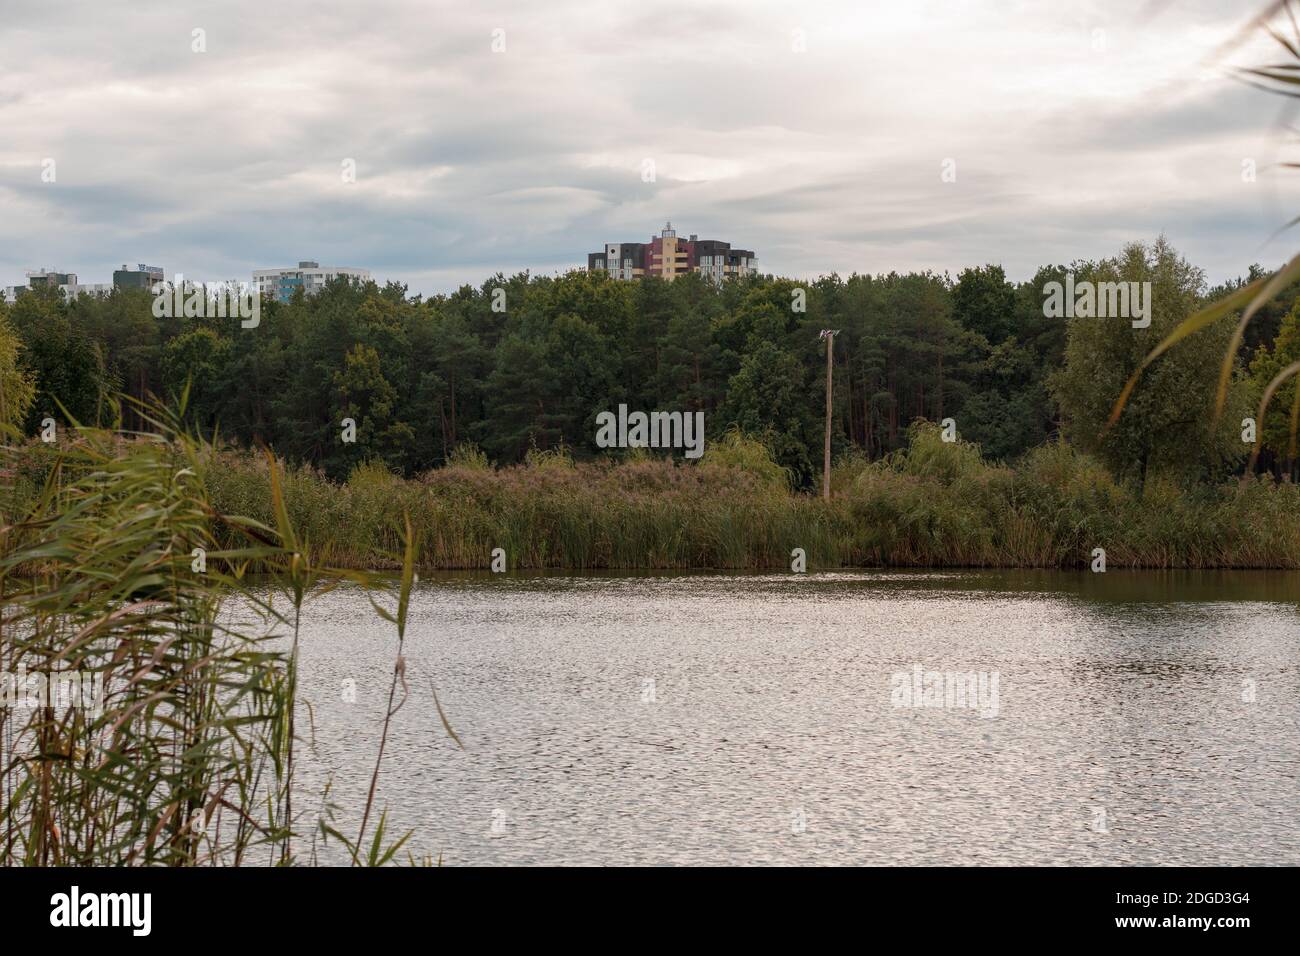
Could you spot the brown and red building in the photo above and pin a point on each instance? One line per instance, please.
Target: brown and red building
(668, 256)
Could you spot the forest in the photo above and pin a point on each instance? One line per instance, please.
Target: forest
(524, 364)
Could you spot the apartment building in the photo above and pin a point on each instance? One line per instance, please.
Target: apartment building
(280, 284)
(621, 260)
(65, 282)
(142, 277)
(667, 255)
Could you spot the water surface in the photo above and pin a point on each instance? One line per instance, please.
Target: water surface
(1142, 718)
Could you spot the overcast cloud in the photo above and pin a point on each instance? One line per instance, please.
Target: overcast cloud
(1074, 126)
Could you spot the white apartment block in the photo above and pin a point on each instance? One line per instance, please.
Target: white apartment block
(280, 284)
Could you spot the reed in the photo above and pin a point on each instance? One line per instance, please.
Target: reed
(174, 742)
(933, 504)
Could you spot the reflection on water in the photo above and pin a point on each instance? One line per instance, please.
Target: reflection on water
(1142, 718)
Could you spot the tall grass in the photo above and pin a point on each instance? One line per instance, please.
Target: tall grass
(183, 760)
(932, 504)
(941, 504)
(114, 565)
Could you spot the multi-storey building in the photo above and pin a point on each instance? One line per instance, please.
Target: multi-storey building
(718, 260)
(65, 282)
(270, 283)
(142, 277)
(280, 284)
(621, 260)
(90, 288)
(668, 256)
(38, 278)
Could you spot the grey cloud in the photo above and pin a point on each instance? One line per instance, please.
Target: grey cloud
(469, 161)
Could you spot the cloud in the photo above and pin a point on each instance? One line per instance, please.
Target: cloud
(813, 135)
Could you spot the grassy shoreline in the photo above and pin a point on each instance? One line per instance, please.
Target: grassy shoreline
(935, 504)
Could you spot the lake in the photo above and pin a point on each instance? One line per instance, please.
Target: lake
(840, 718)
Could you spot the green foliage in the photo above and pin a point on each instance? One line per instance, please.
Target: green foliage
(63, 356)
(931, 503)
(747, 455)
(200, 361)
(985, 303)
(1168, 427)
(768, 395)
(422, 377)
(187, 730)
(1276, 430)
(17, 384)
(366, 397)
(549, 458)
(371, 473)
(178, 749)
(468, 456)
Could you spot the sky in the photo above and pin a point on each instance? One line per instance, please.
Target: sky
(496, 137)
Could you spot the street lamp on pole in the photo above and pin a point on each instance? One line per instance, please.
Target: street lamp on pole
(829, 336)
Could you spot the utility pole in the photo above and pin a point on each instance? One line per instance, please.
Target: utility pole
(829, 336)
